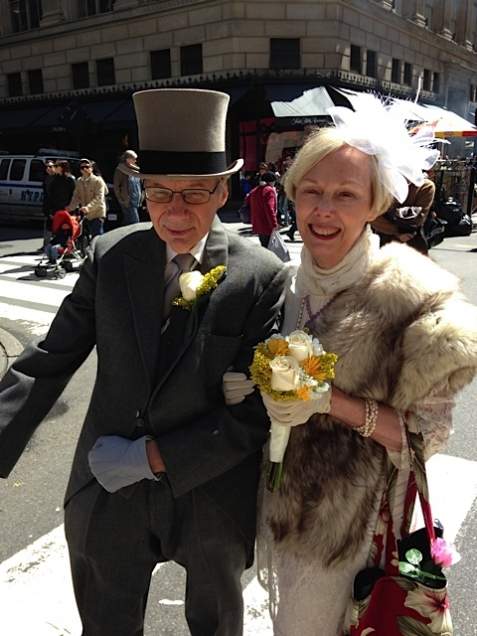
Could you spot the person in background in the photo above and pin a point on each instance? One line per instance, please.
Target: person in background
(262, 201)
(64, 228)
(246, 182)
(47, 181)
(127, 189)
(61, 187)
(46, 207)
(89, 197)
(388, 230)
(262, 169)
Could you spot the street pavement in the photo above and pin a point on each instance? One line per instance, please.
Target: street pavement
(36, 596)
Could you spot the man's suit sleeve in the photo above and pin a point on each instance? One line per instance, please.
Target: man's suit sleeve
(36, 379)
(226, 435)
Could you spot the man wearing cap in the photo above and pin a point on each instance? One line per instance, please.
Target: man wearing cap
(127, 188)
(163, 470)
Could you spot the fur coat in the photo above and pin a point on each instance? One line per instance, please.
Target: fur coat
(399, 332)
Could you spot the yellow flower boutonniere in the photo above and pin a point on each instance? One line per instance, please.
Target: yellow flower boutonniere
(194, 285)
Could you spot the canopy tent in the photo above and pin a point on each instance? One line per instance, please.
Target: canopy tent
(449, 124)
(316, 101)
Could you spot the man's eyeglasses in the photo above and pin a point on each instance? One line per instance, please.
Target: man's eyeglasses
(192, 196)
(85, 167)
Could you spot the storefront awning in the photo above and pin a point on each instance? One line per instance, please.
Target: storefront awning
(11, 119)
(312, 103)
(316, 101)
(284, 92)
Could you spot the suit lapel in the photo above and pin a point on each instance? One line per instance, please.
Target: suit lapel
(145, 281)
(215, 253)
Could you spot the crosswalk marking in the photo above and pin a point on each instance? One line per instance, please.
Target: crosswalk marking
(40, 573)
(52, 610)
(27, 299)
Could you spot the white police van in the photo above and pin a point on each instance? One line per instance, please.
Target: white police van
(21, 182)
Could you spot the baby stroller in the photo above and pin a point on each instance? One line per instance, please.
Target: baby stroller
(61, 253)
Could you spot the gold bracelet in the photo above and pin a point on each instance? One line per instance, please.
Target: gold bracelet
(371, 409)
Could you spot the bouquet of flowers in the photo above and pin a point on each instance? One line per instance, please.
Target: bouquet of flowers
(293, 367)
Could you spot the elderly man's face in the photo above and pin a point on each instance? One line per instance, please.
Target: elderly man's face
(180, 224)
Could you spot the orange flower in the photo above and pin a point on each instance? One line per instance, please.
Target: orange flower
(278, 346)
(311, 366)
(303, 392)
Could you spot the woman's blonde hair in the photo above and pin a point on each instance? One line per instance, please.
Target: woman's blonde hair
(321, 143)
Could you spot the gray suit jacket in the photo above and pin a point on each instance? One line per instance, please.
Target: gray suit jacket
(116, 305)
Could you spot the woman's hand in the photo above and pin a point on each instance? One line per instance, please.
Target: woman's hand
(236, 387)
(296, 412)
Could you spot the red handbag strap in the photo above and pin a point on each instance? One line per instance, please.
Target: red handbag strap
(411, 494)
(415, 486)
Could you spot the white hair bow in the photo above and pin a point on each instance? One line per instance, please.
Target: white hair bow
(379, 130)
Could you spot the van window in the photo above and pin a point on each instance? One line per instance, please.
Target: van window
(17, 169)
(4, 165)
(37, 170)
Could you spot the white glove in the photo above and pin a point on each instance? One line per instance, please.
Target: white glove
(236, 386)
(117, 461)
(296, 412)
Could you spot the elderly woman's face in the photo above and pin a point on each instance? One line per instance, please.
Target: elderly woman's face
(333, 204)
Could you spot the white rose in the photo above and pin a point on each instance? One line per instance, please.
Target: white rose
(317, 347)
(285, 373)
(300, 345)
(189, 283)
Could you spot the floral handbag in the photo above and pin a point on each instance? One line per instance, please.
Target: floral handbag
(409, 596)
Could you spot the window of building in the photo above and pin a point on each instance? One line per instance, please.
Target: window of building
(473, 93)
(161, 64)
(426, 80)
(35, 81)
(93, 7)
(14, 81)
(428, 11)
(436, 82)
(105, 72)
(17, 169)
(396, 71)
(191, 59)
(371, 63)
(80, 75)
(355, 59)
(284, 53)
(25, 14)
(407, 74)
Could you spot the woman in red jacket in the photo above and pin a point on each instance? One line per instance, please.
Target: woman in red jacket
(262, 201)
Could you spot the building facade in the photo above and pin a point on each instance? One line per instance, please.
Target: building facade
(69, 67)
